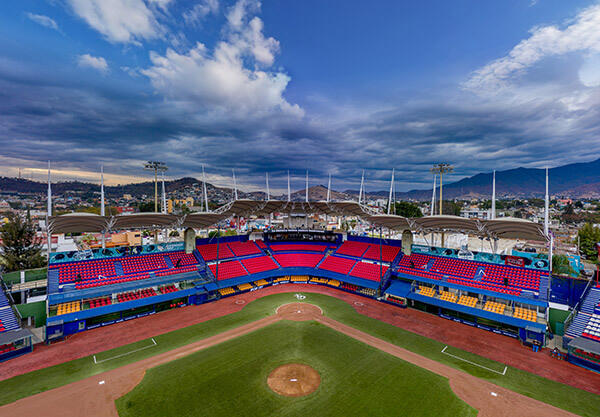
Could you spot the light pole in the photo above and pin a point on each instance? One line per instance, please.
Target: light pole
(441, 169)
(156, 167)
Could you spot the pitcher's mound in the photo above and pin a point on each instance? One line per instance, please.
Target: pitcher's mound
(294, 380)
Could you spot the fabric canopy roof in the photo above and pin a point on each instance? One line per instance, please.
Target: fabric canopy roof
(499, 228)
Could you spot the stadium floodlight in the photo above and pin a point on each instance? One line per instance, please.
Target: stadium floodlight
(441, 169)
(156, 167)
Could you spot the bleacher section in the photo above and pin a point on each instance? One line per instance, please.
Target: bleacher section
(588, 308)
(168, 289)
(111, 280)
(448, 296)
(337, 264)
(229, 269)
(226, 291)
(468, 301)
(87, 270)
(494, 307)
(388, 253)
(368, 271)
(465, 272)
(66, 308)
(351, 248)
(259, 264)
(209, 252)
(137, 264)
(99, 302)
(243, 248)
(180, 270)
(525, 314)
(8, 321)
(184, 258)
(426, 291)
(293, 247)
(309, 260)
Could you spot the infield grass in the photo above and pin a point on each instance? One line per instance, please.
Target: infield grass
(560, 395)
(231, 380)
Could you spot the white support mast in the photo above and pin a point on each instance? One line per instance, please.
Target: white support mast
(360, 192)
(289, 189)
(102, 203)
(49, 193)
(391, 191)
(546, 206)
(204, 189)
(493, 213)
(306, 186)
(329, 188)
(432, 211)
(164, 195)
(268, 193)
(235, 194)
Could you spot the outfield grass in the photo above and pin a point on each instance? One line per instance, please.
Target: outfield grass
(230, 380)
(560, 395)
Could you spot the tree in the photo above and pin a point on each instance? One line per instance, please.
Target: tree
(406, 209)
(578, 204)
(450, 208)
(146, 207)
(20, 247)
(562, 266)
(568, 210)
(588, 237)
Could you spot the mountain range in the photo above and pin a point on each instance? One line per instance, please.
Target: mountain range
(580, 180)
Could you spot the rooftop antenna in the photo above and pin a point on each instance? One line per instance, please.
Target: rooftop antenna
(164, 195)
(307, 185)
(289, 192)
(432, 212)
(493, 214)
(391, 190)
(49, 195)
(329, 188)
(360, 192)
(546, 206)
(235, 194)
(268, 193)
(204, 189)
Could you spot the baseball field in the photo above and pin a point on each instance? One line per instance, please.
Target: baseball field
(222, 366)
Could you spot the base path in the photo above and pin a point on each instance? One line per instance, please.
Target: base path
(95, 396)
(480, 342)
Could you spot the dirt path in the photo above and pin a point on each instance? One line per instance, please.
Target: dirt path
(480, 342)
(95, 396)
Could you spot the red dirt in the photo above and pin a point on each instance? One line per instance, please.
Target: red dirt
(95, 396)
(487, 344)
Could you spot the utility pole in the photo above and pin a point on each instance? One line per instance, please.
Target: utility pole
(441, 169)
(156, 167)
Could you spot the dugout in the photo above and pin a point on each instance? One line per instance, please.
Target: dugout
(585, 353)
(15, 343)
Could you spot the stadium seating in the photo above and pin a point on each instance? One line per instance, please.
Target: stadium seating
(229, 269)
(174, 271)
(112, 280)
(66, 308)
(485, 286)
(259, 264)
(143, 263)
(528, 279)
(244, 287)
(99, 302)
(367, 291)
(260, 244)
(298, 247)
(309, 260)
(592, 328)
(334, 283)
(184, 258)
(467, 301)
(452, 266)
(244, 248)
(418, 260)
(368, 271)
(494, 307)
(68, 272)
(349, 287)
(299, 278)
(388, 253)
(426, 291)
(168, 289)
(8, 321)
(226, 291)
(317, 280)
(448, 296)
(260, 282)
(209, 252)
(417, 272)
(136, 295)
(7, 348)
(525, 314)
(337, 264)
(352, 248)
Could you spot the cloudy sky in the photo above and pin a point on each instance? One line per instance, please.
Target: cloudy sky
(329, 86)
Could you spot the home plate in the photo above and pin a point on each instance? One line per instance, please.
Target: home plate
(299, 311)
(494, 394)
(293, 380)
(101, 382)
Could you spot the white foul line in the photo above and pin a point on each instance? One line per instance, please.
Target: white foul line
(472, 363)
(127, 353)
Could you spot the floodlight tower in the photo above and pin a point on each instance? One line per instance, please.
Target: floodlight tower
(441, 169)
(156, 167)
